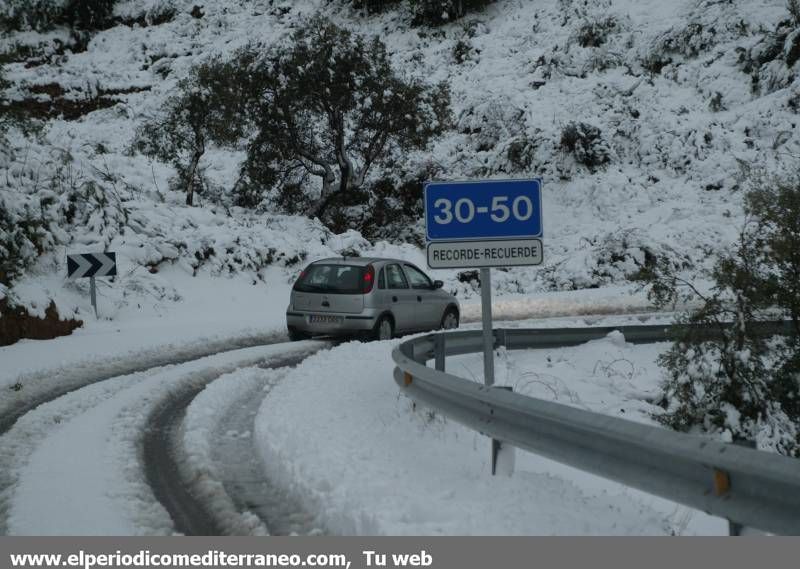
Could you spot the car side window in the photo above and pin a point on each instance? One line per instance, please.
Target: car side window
(382, 279)
(395, 277)
(418, 279)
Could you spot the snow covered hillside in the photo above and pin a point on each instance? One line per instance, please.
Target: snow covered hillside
(639, 116)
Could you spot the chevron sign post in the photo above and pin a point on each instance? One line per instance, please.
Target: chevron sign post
(92, 265)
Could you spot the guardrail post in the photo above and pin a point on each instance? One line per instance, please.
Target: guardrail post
(500, 338)
(439, 350)
(420, 357)
(736, 529)
(503, 456)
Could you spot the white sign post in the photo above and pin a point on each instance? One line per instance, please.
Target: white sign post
(486, 320)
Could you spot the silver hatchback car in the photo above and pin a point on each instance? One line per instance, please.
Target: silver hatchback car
(367, 297)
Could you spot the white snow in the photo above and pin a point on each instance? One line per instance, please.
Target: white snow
(335, 432)
(384, 467)
(73, 466)
(198, 464)
(672, 189)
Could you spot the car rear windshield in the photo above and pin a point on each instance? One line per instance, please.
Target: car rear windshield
(331, 279)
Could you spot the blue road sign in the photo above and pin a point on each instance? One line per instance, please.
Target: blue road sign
(486, 209)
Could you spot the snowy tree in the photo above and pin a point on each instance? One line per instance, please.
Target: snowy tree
(330, 107)
(207, 108)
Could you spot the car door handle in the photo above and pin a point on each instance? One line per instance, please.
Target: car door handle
(419, 299)
(394, 299)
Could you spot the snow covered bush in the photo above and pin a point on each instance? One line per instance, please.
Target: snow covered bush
(31, 14)
(328, 108)
(396, 209)
(5, 117)
(595, 32)
(437, 12)
(53, 202)
(374, 6)
(150, 12)
(794, 10)
(585, 143)
(707, 24)
(23, 231)
(462, 51)
(739, 384)
(73, 198)
(491, 121)
(22, 237)
(88, 14)
(771, 61)
(46, 14)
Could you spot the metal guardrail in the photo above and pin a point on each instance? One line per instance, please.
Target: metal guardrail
(748, 487)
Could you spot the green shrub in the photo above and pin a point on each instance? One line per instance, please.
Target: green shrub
(585, 142)
(46, 14)
(41, 203)
(374, 6)
(438, 12)
(595, 32)
(740, 384)
(22, 237)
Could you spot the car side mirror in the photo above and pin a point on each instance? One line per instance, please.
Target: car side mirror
(437, 284)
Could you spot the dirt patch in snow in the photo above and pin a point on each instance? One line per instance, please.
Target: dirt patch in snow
(51, 101)
(16, 323)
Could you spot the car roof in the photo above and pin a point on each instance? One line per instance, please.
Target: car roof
(358, 261)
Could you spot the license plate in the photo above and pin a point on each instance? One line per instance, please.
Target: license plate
(324, 319)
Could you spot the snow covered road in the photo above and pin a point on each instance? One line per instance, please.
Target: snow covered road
(30, 388)
(255, 446)
(207, 487)
(73, 466)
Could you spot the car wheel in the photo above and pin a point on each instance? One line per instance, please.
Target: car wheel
(384, 328)
(450, 319)
(296, 335)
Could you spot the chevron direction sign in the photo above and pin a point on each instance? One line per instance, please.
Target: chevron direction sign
(91, 265)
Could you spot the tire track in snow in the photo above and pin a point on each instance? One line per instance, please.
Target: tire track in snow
(186, 484)
(48, 447)
(220, 461)
(45, 386)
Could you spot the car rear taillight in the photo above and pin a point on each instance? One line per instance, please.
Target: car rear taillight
(369, 279)
(299, 279)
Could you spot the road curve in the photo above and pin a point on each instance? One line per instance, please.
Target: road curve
(170, 364)
(161, 455)
(135, 364)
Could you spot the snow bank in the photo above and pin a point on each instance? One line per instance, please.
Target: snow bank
(346, 442)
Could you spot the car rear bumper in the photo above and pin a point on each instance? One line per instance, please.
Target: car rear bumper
(342, 324)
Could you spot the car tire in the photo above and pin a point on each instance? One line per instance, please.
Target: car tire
(449, 319)
(296, 335)
(384, 328)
